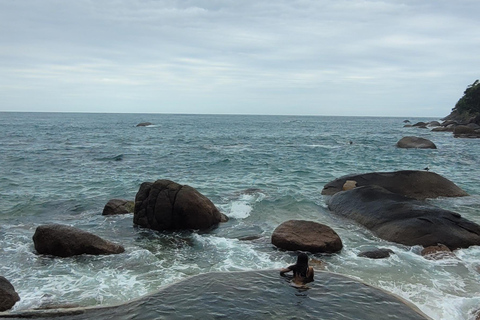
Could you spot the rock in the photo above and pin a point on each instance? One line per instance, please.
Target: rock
(466, 131)
(8, 295)
(421, 125)
(65, 241)
(415, 142)
(463, 130)
(437, 252)
(447, 123)
(305, 235)
(433, 124)
(473, 126)
(256, 294)
(167, 205)
(349, 184)
(399, 219)
(448, 128)
(381, 253)
(410, 183)
(144, 124)
(118, 206)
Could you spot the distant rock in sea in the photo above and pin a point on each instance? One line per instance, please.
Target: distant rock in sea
(415, 142)
(144, 124)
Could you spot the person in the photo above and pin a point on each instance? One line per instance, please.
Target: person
(302, 273)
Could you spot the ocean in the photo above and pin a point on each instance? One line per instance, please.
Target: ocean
(258, 170)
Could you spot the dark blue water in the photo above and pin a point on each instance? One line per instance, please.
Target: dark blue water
(259, 170)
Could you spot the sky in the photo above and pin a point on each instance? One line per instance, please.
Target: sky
(287, 57)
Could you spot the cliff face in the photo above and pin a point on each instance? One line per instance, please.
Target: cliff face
(468, 106)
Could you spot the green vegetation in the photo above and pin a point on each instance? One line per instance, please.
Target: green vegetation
(469, 104)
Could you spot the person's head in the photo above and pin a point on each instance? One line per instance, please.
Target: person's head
(302, 259)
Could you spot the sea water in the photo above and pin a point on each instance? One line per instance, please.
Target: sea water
(258, 170)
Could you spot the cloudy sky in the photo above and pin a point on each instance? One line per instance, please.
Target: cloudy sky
(305, 57)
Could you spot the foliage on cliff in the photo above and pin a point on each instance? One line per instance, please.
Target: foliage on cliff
(469, 104)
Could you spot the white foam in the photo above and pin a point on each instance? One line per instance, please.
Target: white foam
(241, 208)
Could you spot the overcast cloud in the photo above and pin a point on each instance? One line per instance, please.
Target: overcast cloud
(311, 57)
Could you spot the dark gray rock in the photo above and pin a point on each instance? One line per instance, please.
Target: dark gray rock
(65, 241)
(416, 142)
(118, 206)
(305, 235)
(380, 253)
(410, 183)
(167, 205)
(466, 132)
(249, 295)
(144, 124)
(399, 219)
(420, 124)
(8, 295)
(433, 124)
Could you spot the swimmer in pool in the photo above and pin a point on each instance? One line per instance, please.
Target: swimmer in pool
(302, 273)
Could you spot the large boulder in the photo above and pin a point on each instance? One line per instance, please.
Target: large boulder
(167, 205)
(118, 206)
(8, 295)
(415, 142)
(65, 241)
(305, 235)
(404, 220)
(466, 131)
(415, 184)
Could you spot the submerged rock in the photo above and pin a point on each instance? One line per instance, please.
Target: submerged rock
(144, 124)
(437, 252)
(167, 205)
(306, 236)
(65, 241)
(404, 220)
(8, 295)
(416, 142)
(380, 253)
(415, 184)
(118, 206)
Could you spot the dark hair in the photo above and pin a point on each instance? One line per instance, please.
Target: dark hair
(302, 264)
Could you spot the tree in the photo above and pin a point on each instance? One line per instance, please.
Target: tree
(469, 104)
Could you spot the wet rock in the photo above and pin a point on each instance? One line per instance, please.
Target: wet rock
(65, 241)
(144, 124)
(118, 206)
(416, 142)
(305, 235)
(404, 220)
(167, 205)
(448, 128)
(380, 253)
(466, 132)
(420, 124)
(433, 124)
(8, 295)
(410, 183)
(437, 252)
